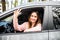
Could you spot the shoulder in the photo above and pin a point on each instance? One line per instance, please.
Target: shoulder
(25, 23)
(38, 25)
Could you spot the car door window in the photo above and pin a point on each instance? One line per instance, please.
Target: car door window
(56, 17)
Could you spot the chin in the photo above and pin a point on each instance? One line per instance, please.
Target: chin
(32, 21)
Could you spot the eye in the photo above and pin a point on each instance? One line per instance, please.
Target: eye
(31, 15)
(35, 16)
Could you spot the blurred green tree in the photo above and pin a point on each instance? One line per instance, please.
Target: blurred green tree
(3, 5)
(15, 3)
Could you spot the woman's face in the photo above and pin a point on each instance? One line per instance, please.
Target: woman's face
(33, 17)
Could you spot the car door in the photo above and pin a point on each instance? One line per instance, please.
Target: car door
(54, 22)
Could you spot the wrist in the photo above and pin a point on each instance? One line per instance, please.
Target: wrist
(15, 16)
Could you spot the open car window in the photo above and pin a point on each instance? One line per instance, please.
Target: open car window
(21, 18)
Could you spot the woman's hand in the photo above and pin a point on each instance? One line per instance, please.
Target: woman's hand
(16, 12)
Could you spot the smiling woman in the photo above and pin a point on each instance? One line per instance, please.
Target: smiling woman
(33, 23)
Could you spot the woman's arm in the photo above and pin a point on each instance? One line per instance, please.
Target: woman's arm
(34, 29)
(15, 21)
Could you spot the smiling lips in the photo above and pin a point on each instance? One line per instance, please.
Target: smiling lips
(33, 19)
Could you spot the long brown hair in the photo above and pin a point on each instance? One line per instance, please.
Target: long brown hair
(38, 19)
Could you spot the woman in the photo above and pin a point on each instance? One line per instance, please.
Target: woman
(33, 24)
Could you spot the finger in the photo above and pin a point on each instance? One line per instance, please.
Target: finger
(19, 10)
(15, 11)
